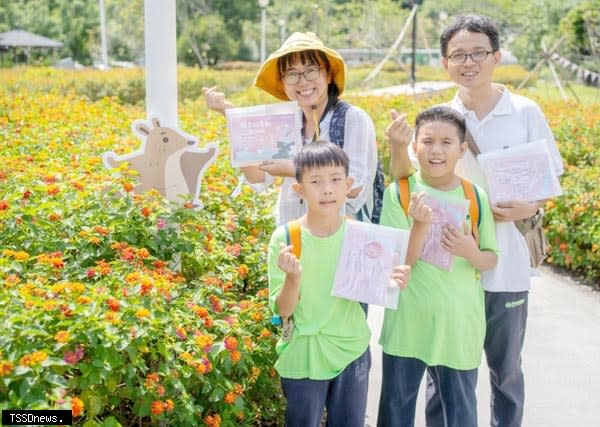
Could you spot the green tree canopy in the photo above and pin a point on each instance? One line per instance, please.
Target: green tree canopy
(581, 28)
(210, 31)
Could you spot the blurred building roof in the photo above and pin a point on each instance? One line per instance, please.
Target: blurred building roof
(22, 38)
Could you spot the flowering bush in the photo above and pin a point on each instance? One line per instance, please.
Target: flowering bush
(573, 221)
(120, 305)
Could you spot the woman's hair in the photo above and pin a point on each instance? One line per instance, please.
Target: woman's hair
(473, 24)
(306, 57)
(442, 113)
(318, 154)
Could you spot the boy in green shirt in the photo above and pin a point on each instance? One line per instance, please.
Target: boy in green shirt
(325, 363)
(440, 319)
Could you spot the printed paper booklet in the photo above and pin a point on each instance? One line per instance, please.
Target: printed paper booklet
(523, 172)
(264, 132)
(368, 254)
(443, 212)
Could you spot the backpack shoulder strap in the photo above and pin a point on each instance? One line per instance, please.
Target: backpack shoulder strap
(293, 237)
(403, 189)
(473, 147)
(338, 123)
(472, 195)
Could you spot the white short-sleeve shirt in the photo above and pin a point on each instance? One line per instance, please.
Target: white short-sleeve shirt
(361, 148)
(514, 120)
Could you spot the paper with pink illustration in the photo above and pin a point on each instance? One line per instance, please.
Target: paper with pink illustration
(443, 212)
(264, 132)
(368, 254)
(521, 172)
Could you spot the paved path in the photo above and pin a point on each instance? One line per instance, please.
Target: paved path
(561, 358)
(419, 89)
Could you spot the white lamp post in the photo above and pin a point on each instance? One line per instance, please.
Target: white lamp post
(161, 61)
(263, 29)
(103, 35)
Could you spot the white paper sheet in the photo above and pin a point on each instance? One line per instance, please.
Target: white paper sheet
(523, 172)
(264, 132)
(443, 212)
(368, 254)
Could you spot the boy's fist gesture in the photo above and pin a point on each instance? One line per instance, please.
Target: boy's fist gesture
(418, 210)
(400, 276)
(288, 262)
(399, 131)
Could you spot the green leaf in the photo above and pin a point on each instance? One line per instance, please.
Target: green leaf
(111, 422)
(94, 377)
(56, 380)
(20, 370)
(26, 385)
(216, 395)
(96, 406)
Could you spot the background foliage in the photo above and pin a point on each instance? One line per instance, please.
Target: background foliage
(213, 31)
(96, 315)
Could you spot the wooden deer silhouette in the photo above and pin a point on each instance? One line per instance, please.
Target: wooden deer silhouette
(168, 161)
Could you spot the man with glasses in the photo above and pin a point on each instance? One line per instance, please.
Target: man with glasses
(496, 118)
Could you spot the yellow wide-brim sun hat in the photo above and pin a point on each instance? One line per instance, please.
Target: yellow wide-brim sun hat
(268, 78)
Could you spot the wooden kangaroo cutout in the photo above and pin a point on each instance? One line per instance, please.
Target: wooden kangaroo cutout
(168, 161)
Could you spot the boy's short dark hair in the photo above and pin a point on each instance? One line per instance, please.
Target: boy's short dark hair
(442, 113)
(319, 154)
(473, 24)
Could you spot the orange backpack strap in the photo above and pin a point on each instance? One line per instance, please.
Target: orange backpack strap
(472, 196)
(293, 237)
(404, 194)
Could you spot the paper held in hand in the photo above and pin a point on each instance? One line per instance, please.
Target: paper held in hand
(368, 254)
(264, 132)
(523, 172)
(442, 212)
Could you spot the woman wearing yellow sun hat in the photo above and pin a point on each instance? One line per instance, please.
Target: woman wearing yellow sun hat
(304, 70)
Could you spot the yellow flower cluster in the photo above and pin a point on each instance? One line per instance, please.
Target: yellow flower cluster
(32, 359)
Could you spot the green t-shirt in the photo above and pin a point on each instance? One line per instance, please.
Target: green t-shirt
(329, 332)
(440, 317)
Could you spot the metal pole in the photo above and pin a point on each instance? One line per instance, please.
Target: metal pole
(394, 46)
(103, 35)
(282, 30)
(263, 34)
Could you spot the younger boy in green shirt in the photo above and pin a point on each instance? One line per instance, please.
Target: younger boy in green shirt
(325, 363)
(440, 320)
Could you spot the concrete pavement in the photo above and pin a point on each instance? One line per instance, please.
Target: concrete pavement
(561, 358)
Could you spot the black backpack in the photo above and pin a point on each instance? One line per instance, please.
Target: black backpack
(336, 134)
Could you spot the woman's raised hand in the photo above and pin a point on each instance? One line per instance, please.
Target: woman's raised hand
(216, 100)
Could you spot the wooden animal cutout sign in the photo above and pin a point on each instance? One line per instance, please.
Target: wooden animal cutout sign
(168, 161)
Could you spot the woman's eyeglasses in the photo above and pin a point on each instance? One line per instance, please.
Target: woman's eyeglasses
(310, 74)
(477, 56)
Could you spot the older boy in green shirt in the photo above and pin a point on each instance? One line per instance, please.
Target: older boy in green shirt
(440, 319)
